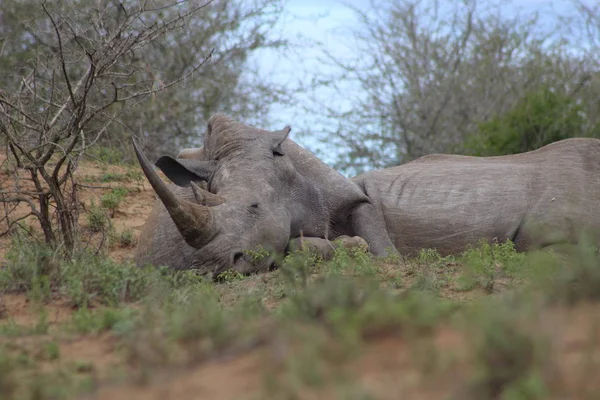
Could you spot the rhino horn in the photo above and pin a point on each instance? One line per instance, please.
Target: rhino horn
(194, 221)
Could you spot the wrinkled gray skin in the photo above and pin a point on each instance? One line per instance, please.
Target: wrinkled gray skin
(262, 189)
(536, 199)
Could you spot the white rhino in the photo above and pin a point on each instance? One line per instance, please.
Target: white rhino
(546, 197)
(262, 189)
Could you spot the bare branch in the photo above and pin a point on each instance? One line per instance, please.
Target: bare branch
(61, 54)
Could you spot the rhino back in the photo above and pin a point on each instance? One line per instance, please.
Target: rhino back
(447, 202)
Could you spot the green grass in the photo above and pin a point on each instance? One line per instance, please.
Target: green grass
(109, 155)
(98, 219)
(323, 316)
(112, 200)
(132, 175)
(38, 270)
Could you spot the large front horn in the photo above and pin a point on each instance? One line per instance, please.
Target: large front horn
(194, 221)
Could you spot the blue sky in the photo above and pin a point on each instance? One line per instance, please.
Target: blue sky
(324, 21)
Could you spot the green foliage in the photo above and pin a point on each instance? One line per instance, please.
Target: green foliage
(431, 270)
(509, 357)
(30, 265)
(112, 199)
(349, 300)
(574, 280)
(94, 278)
(297, 269)
(98, 219)
(258, 254)
(52, 350)
(109, 155)
(236, 28)
(538, 119)
(230, 276)
(87, 321)
(328, 314)
(132, 175)
(35, 268)
(486, 262)
(355, 261)
(127, 238)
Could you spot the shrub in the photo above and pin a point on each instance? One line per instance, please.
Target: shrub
(540, 118)
(486, 261)
(109, 155)
(127, 238)
(98, 219)
(112, 200)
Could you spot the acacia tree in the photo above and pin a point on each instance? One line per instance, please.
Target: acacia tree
(426, 74)
(73, 72)
(233, 29)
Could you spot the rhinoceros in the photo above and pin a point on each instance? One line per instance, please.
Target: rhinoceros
(262, 189)
(536, 199)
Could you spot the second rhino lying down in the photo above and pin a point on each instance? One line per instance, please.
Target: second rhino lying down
(537, 199)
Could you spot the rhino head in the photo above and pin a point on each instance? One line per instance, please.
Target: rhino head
(253, 199)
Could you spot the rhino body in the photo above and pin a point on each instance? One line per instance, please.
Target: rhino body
(536, 199)
(263, 189)
(268, 191)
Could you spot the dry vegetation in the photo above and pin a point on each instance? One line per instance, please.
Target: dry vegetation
(488, 324)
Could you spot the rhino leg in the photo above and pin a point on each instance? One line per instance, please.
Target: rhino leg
(325, 248)
(368, 224)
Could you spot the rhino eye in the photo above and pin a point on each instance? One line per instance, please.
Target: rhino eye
(254, 205)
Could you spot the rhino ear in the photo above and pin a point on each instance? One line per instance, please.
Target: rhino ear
(277, 138)
(192, 153)
(181, 171)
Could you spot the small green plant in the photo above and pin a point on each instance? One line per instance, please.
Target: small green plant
(355, 308)
(431, 270)
(90, 278)
(391, 257)
(230, 276)
(86, 321)
(134, 174)
(32, 266)
(127, 238)
(508, 356)
(112, 199)
(486, 262)
(113, 177)
(575, 279)
(98, 219)
(51, 351)
(354, 261)
(35, 268)
(257, 255)
(109, 155)
(297, 267)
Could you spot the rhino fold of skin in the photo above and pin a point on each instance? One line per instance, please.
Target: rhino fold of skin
(536, 199)
(272, 190)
